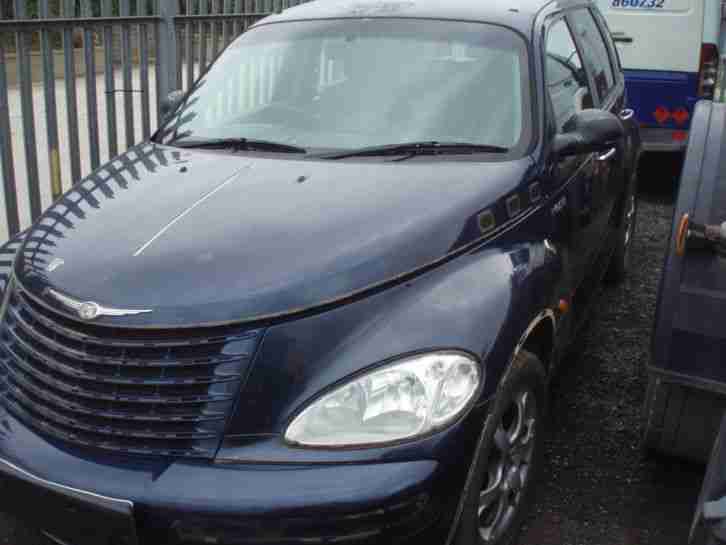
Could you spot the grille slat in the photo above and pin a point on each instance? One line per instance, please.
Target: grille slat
(131, 338)
(36, 406)
(116, 379)
(51, 382)
(119, 389)
(123, 360)
(69, 405)
(146, 448)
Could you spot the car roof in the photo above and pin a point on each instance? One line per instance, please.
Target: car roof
(517, 14)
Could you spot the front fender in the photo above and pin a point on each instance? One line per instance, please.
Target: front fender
(481, 303)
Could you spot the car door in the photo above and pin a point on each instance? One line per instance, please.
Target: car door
(609, 94)
(569, 92)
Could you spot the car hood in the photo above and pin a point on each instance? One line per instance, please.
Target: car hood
(202, 237)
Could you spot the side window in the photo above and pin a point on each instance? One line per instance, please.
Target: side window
(566, 80)
(607, 35)
(594, 50)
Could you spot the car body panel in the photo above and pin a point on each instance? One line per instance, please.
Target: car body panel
(688, 339)
(172, 499)
(687, 382)
(345, 341)
(518, 15)
(354, 239)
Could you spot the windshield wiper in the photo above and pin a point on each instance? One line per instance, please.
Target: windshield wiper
(239, 144)
(419, 148)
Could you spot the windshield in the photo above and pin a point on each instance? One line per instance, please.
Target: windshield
(355, 83)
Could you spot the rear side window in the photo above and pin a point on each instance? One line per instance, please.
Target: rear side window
(607, 35)
(595, 51)
(566, 80)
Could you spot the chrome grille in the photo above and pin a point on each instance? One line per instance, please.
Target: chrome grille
(146, 392)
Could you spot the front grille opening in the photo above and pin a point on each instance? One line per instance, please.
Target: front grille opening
(148, 392)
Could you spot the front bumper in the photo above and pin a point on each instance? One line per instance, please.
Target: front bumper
(77, 515)
(83, 498)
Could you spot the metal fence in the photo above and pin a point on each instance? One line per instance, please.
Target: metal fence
(82, 82)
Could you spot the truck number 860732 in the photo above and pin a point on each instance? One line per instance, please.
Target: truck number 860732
(646, 4)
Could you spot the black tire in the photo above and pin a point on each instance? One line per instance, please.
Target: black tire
(527, 376)
(681, 421)
(620, 262)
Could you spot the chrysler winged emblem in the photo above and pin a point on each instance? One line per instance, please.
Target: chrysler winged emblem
(88, 310)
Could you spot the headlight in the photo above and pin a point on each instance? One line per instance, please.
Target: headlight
(404, 400)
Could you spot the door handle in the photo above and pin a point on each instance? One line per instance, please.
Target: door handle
(621, 37)
(627, 115)
(608, 155)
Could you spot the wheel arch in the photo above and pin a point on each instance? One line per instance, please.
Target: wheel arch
(539, 339)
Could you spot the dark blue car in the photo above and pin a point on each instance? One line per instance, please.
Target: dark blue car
(324, 303)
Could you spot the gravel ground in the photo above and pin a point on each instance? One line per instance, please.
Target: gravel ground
(598, 488)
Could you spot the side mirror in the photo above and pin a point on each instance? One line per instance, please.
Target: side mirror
(590, 131)
(170, 103)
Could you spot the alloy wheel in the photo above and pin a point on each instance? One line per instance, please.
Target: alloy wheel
(509, 467)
